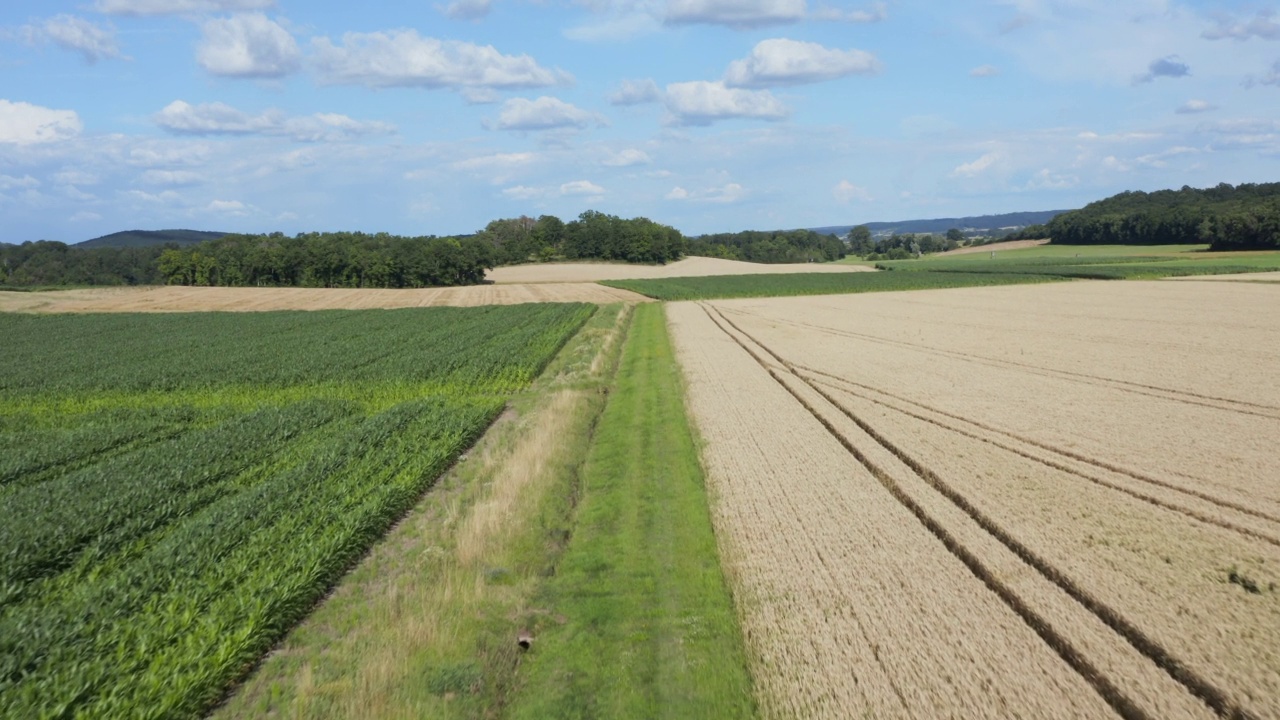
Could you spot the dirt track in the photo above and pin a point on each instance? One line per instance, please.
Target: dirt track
(1098, 458)
(688, 267)
(196, 299)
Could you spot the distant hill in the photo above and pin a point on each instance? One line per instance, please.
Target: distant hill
(143, 238)
(970, 225)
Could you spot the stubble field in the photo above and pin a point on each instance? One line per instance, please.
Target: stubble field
(1053, 500)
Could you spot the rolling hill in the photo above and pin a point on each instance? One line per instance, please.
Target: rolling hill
(142, 238)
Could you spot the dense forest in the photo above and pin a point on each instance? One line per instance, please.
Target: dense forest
(1227, 217)
(772, 246)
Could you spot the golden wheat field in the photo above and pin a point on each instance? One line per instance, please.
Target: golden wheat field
(688, 267)
(1033, 501)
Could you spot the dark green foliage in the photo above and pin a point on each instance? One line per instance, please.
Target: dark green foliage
(593, 236)
(197, 482)
(143, 238)
(1229, 218)
(773, 246)
(46, 262)
(734, 286)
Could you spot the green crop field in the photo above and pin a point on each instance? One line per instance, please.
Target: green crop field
(739, 286)
(1094, 265)
(178, 490)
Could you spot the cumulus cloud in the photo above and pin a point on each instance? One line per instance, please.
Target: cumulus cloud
(574, 188)
(177, 7)
(702, 103)
(977, 167)
(729, 193)
(228, 207)
(22, 123)
(984, 71)
(1260, 26)
(9, 182)
(581, 187)
(172, 177)
(222, 119)
(877, 13)
(252, 46)
(1170, 66)
(468, 9)
(1195, 106)
(636, 92)
(93, 42)
(780, 61)
(544, 113)
(402, 58)
(626, 158)
(845, 192)
(739, 14)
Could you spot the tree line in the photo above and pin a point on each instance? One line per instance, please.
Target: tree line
(1241, 217)
(770, 246)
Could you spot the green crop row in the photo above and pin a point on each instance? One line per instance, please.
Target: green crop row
(740, 286)
(148, 559)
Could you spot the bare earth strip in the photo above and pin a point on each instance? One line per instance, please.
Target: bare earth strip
(688, 267)
(850, 606)
(1240, 277)
(195, 299)
(1100, 453)
(993, 247)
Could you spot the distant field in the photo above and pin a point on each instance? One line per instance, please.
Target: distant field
(176, 298)
(687, 267)
(1121, 263)
(741, 286)
(1039, 248)
(178, 490)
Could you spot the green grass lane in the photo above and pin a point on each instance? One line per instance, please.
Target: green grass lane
(649, 629)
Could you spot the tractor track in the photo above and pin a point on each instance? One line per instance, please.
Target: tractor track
(1207, 692)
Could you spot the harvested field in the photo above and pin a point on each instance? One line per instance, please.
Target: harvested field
(1052, 500)
(1242, 277)
(175, 298)
(995, 247)
(688, 267)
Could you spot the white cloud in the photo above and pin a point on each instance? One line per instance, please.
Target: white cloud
(85, 216)
(168, 197)
(523, 192)
(581, 187)
(701, 103)
(171, 177)
(729, 193)
(76, 177)
(636, 92)
(177, 7)
(626, 158)
(402, 58)
(1195, 106)
(740, 14)
(252, 46)
(780, 61)
(544, 113)
(1045, 179)
(169, 153)
(1261, 26)
(846, 192)
(8, 182)
(1160, 159)
(76, 34)
(985, 71)
(468, 9)
(222, 119)
(497, 168)
(977, 167)
(22, 123)
(228, 207)
(878, 12)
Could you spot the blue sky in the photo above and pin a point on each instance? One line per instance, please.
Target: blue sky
(709, 115)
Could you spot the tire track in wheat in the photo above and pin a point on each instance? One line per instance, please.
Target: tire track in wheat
(1213, 696)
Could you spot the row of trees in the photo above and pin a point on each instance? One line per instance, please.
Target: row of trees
(594, 235)
(1227, 217)
(48, 262)
(775, 246)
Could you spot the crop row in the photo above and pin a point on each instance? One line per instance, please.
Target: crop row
(741, 286)
(143, 571)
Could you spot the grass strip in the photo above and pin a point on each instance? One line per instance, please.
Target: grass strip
(742, 286)
(648, 629)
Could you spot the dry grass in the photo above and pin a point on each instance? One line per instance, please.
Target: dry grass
(688, 267)
(1102, 453)
(995, 247)
(196, 299)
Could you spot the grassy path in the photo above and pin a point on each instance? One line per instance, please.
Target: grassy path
(640, 623)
